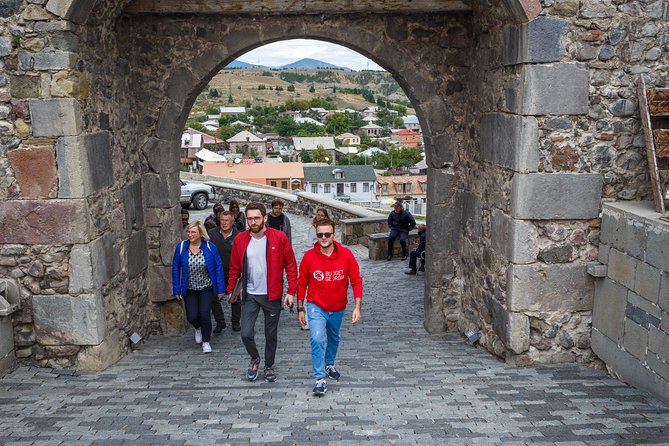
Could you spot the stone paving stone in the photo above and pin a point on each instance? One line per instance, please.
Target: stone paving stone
(399, 386)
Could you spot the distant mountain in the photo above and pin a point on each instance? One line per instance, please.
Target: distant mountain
(302, 64)
(239, 65)
(311, 64)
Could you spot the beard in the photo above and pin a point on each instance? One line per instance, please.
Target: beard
(260, 227)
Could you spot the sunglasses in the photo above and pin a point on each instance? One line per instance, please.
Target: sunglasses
(324, 234)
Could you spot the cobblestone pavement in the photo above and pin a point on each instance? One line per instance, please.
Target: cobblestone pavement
(399, 386)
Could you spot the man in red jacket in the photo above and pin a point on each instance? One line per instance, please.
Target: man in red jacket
(259, 257)
(325, 272)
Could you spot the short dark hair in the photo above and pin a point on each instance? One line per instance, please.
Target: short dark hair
(276, 202)
(184, 212)
(256, 206)
(326, 222)
(218, 208)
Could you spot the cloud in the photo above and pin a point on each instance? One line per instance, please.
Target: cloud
(288, 51)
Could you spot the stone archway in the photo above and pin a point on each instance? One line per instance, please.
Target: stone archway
(135, 78)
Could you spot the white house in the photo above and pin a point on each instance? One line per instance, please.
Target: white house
(232, 110)
(411, 123)
(247, 143)
(345, 183)
(348, 138)
(308, 120)
(371, 130)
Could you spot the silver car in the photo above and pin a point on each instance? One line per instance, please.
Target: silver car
(196, 194)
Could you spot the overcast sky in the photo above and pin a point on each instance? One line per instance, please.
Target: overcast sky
(288, 51)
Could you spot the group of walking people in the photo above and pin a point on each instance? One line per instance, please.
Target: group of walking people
(247, 267)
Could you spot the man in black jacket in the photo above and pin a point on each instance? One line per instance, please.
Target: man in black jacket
(222, 237)
(417, 253)
(400, 223)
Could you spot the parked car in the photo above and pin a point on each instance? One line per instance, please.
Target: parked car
(196, 194)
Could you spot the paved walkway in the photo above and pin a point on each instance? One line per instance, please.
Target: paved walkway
(399, 386)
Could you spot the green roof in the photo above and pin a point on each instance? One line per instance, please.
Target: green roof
(324, 174)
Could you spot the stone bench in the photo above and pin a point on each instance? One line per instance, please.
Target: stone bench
(356, 230)
(377, 245)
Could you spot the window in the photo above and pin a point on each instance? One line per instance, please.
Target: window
(272, 183)
(326, 189)
(365, 187)
(384, 189)
(339, 175)
(314, 188)
(354, 188)
(284, 185)
(399, 188)
(407, 188)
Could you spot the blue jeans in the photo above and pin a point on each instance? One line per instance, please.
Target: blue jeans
(403, 235)
(322, 323)
(198, 306)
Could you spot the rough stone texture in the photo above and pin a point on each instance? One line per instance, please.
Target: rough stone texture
(7, 356)
(647, 282)
(75, 11)
(540, 196)
(622, 268)
(52, 59)
(554, 89)
(92, 264)
(44, 222)
(515, 239)
(628, 367)
(134, 209)
(162, 156)
(103, 355)
(512, 328)
(510, 141)
(540, 40)
(657, 248)
(55, 117)
(173, 318)
(84, 164)
(137, 253)
(35, 170)
(161, 191)
(160, 283)
(63, 319)
(565, 287)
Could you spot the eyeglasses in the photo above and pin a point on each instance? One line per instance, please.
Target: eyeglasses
(254, 218)
(324, 234)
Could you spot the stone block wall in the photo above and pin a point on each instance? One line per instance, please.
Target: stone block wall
(630, 320)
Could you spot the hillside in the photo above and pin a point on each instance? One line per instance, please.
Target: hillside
(242, 85)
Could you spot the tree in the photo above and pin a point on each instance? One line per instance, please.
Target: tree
(312, 89)
(398, 123)
(286, 126)
(338, 123)
(230, 100)
(310, 129)
(305, 156)
(291, 87)
(320, 155)
(214, 93)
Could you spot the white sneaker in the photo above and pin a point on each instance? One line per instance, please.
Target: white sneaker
(198, 336)
(206, 348)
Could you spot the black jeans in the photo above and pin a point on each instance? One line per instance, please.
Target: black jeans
(198, 305)
(251, 306)
(403, 235)
(219, 315)
(413, 256)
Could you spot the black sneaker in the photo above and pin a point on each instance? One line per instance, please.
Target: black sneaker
(219, 327)
(389, 258)
(421, 269)
(252, 372)
(321, 387)
(270, 376)
(236, 326)
(411, 271)
(332, 372)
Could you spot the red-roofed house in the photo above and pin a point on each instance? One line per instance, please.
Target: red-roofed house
(406, 138)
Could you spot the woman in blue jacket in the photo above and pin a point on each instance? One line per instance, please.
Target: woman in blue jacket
(197, 274)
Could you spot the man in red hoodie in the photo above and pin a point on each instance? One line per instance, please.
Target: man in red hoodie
(325, 272)
(258, 259)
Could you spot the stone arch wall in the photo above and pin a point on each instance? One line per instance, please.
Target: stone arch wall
(511, 102)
